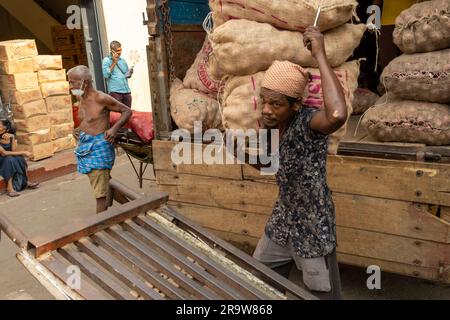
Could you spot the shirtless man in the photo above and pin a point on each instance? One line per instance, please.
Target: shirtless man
(95, 151)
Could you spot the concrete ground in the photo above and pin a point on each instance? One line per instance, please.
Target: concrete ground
(67, 198)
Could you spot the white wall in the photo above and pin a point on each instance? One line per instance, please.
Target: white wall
(123, 20)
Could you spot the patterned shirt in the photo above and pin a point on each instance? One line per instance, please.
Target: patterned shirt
(304, 210)
(94, 153)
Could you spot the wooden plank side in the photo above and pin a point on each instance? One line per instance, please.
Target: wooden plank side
(138, 266)
(248, 198)
(148, 240)
(243, 223)
(211, 265)
(60, 267)
(392, 248)
(243, 196)
(162, 151)
(431, 274)
(390, 217)
(398, 180)
(91, 225)
(111, 285)
(248, 244)
(359, 212)
(445, 214)
(120, 271)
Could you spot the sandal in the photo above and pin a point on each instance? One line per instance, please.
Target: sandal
(33, 185)
(13, 194)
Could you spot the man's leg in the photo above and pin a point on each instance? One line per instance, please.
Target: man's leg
(127, 100)
(117, 96)
(321, 276)
(335, 277)
(274, 256)
(100, 183)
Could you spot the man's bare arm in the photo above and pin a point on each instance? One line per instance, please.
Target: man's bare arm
(115, 106)
(334, 114)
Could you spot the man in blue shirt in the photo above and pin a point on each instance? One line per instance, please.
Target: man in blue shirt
(117, 73)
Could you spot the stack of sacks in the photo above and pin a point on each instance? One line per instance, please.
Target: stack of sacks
(55, 90)
(20, 88)
(249, 36)
(416, 107)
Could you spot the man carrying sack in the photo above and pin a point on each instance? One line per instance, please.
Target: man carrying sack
(302, 227)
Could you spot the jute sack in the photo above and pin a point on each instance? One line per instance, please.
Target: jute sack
(242, 47)
(409, 121)
(242, 107)
(424, 27)
(347, 75)
(188, 106)
(363, 100)
(419, 76)
(198, 76)
(285, 14)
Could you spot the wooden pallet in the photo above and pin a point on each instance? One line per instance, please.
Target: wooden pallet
(394, 214)
(144, 250)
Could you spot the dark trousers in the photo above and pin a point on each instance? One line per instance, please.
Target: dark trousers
(124, 98)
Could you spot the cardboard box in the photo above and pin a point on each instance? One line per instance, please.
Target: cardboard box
(29, 110)
(58, 103)
(61, 117)
(55, 89)
(17, 49)
(34, 138)
(17, 66)
(64, 143)
(19, 81)
(45, 62)
(39, 151)
(61, 130)
(21, 96)
(32, 124)
(51, 75)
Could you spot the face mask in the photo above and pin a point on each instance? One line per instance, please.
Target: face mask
(78, 92)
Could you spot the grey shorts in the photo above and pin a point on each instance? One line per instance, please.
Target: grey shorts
(316, 274)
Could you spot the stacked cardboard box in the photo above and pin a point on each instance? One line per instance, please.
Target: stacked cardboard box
(70, 45)
(19, 87)
(55, 91)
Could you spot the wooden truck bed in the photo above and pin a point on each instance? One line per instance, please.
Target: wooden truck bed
(392, 199)
(390, 213)
(144, 250)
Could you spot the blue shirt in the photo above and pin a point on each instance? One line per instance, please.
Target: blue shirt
(116, 80)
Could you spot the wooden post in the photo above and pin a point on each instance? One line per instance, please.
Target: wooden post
(158, 73)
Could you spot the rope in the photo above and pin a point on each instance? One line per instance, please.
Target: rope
(373, 28)
(208, 24)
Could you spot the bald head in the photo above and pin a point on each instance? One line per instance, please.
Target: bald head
(80, 73)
